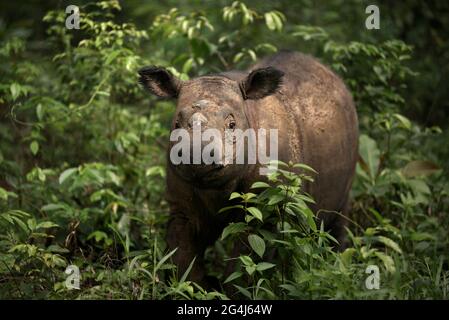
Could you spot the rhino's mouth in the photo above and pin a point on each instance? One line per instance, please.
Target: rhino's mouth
(203, 175)
(204, 171)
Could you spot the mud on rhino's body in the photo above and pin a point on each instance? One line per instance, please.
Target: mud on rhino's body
(291, 92)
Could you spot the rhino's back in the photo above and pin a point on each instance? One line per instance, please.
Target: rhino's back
(317, 124)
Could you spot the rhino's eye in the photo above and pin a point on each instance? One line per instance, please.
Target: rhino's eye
(177, 126)
(230, 122)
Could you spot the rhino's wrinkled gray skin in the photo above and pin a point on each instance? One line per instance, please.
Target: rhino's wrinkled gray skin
(291, 92)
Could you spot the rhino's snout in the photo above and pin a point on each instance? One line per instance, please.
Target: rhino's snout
(189, 119)
(197, 121)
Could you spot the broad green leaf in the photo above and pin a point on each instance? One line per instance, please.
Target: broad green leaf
(20, 223)
(275, 199)
(156, 170)
(235, 195)
(233, 228)
(260, 184)
(257, 244)
(255, 213)
(403, 120)
(250, 269)
(277, 20)
(346, 256)
(65, 174)
(46, 225)
(34, 147)
(264, 266)
(305, 167)
(270, 21)
(246, 260)
(15, 90)
(370, 154)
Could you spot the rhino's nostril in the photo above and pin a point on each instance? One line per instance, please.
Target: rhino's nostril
(180, 153)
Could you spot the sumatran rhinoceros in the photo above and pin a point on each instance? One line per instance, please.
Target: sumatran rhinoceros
(317, 125)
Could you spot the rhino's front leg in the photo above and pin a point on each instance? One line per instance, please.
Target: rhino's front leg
(181, 235)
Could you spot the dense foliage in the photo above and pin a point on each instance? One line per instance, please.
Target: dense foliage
(82, 152)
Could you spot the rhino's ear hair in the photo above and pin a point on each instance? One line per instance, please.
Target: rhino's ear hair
(159, 81)
(261, 83)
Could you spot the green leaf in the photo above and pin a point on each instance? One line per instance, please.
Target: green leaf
(252, 54)
(246, 260)
(264, 266)
(186, 273)
(277, 20)
(65, 174)
(233, 276)
(155, 171)
(15, 90)
(235, 195)
(39, 112)
(3, 194)
(387, 260)
(270, 21)
(260, 184)
(403, 120)
(34, 147)
(57, 249)
(420, 236)
(46, 225)
(112, 56)
(98, 235)
(275, 199)
(346, 256)
(389, 243)
(187, 65)
(52, 207)
(244, 291)
(419, 168)
(238, 206)
(41, 175)
(257, 244)
(20, 223)
(305, 167)
(255, 213)
(233, 228)
(165, 258)
(250, 269)
(370, 154)
(238, 56)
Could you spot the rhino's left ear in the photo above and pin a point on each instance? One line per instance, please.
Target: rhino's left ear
(159, 81)
(261, 83)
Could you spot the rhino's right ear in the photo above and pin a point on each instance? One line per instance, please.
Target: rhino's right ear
(261, 83)
(159, 81)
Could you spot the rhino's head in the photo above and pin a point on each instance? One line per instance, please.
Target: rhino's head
(213, 102)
